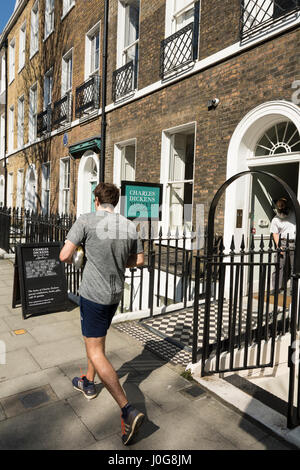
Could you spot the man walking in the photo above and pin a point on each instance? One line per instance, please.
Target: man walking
(111, 245)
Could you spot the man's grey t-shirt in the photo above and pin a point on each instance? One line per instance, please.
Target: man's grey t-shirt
(109, 241)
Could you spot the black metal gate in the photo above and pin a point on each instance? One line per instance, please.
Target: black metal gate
(249, 312)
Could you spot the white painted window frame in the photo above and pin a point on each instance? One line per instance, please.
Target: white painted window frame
(3, 78)
(117, 172)
(21, 102)
(118, 149)
(32, 134)
(34, 29)
(49, 17)
(67, 6)
(20, 184)
(11, 128)
(46, 188)
(121, 34)
(172, 13)
(10, 189)
(66, 86)
(22, 47)
(48, 77)
(62, 188)
(90, 35)
(164, 169)
(12, 60)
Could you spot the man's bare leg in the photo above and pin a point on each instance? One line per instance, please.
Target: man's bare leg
(91, 372)
(95, 348)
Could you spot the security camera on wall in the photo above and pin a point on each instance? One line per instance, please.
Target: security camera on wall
(212, 104)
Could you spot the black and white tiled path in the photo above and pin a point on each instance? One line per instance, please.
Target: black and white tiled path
(171, 334)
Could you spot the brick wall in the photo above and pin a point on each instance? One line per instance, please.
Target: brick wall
(261, 74)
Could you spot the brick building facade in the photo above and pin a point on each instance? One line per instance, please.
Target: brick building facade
(167, 59)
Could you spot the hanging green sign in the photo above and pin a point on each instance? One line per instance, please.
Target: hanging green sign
(141, 201)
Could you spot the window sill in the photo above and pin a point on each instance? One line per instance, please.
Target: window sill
(48, 36)
(67, 12)
(33, 54)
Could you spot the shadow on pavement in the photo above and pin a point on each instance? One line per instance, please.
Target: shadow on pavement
(137, 370)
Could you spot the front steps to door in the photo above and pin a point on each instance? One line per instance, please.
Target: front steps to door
(261, 394)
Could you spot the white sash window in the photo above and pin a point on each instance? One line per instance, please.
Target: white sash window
(34, 32)
(21, 122)
(49, 17)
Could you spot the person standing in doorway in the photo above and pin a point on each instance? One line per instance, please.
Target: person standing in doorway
(111, 245)
(284, 225)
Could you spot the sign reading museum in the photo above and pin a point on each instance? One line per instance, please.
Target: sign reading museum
(40, 283)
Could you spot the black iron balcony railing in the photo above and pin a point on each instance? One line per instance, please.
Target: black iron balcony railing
(258, 15)
(44, 121)
(181, 48)
(62, 110)
(124, 80)
(87, 96)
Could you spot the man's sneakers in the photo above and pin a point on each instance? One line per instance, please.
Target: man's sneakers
(82, 384)
(131, 424)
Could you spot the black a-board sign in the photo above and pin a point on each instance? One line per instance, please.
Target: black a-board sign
(39, 279)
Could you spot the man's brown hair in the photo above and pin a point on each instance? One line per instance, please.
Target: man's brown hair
(107, 193)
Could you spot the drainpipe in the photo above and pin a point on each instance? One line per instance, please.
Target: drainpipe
(103, 100)
(5, 126)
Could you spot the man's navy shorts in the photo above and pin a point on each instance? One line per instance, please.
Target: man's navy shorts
(95, 318)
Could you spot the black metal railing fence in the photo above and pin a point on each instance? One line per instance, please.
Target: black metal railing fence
(250, 296)
(167, 277)
(257, 15)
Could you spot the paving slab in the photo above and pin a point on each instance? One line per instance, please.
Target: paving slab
(116, 341)
(102, 415)
(14, 342)
(61, 384)
(239, 431)
(58, 352)
(16, 322)
(112, 442)
(28, 400)
(8, 311)
(3, 326)
(18, 363)
(52, 427)
(183, 429)
(79, 367)
(54, 331)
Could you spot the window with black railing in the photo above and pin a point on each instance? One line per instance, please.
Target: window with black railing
(62, 110)
(44, 121)
(257, 16)
(87, 96)
(124, 80)
(180, 49)
(125, 77)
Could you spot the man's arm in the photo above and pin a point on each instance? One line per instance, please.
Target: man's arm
(276, 238)
(135, 260)
(67, 252)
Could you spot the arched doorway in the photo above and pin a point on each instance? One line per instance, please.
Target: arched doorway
(267, 139)
(87, 181)
(31, 188)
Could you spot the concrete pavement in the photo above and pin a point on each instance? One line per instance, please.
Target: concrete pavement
(39, 409)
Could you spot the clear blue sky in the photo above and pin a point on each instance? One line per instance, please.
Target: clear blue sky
(6, 9)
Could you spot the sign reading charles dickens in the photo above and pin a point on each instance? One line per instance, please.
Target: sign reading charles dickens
(141, 201)
(39, 281)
